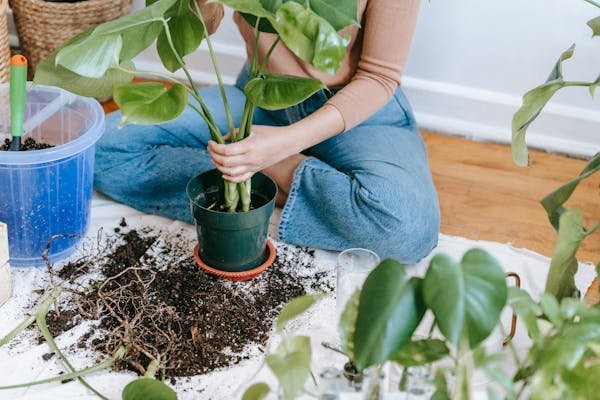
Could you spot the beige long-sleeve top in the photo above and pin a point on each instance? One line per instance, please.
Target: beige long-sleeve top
(374, 63)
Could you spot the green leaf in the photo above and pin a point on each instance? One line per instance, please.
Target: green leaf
(527, 309)
(347, 324)
(296, 307)
(252, 7)
(276, 92)
(271, 6)
(186, 34)
(594, 25)
(115, 41)
(466, 299)
(148, 389)
(291, 364)
(258, 391)
(150, 103)
(339, 13)
(310, 37)
(49, 73)
(551, 309)
(582, 382)
(389, 311)
(94, 57)
(421, 352)
(533, 103)
(563, 267)
(441, 386)
(554, 202)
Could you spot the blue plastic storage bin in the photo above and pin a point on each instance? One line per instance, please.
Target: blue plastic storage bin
(44, 193)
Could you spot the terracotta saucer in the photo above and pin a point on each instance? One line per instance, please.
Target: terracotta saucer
(237, 276)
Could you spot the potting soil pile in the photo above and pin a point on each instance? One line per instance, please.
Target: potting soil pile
(134, 281)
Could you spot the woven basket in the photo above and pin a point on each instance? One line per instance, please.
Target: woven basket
(4, 45)
(43, 26)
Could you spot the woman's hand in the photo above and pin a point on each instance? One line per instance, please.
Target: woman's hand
(266, 146)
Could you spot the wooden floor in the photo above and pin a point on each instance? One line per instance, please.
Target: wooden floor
(483, 195)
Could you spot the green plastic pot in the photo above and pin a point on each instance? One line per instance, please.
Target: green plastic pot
(231, 242)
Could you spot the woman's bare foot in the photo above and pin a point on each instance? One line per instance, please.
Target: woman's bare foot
(283, 174)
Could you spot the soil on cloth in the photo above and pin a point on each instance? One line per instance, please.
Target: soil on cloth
(28, 144)
(144, 290)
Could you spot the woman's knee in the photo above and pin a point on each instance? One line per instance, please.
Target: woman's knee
(406, 221)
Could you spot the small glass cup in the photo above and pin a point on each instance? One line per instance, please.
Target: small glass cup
(329, 384)
(353, 267)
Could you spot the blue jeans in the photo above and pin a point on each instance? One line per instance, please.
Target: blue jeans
(369, 187)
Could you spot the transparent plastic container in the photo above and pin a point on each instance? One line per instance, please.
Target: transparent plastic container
(47, 193)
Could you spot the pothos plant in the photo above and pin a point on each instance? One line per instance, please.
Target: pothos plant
(466, 299)
(98, 62)
(568, 222)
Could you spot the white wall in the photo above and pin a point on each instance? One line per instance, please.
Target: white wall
(471, 62)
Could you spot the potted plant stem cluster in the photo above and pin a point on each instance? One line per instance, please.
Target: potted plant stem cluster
(231, 219)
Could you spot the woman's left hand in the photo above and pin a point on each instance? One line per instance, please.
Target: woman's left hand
(266, 146)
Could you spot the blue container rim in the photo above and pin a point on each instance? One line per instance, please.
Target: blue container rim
(82, 143)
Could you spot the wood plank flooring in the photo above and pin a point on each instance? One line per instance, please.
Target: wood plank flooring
(483, 195)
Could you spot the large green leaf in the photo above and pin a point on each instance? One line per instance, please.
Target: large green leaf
(271, 6)
(186, 31)
(551, 309)
(258, 391)
(115, 41)
(553, 203)
(347, 324)
(49, 73)
(533, 103)
(148, 389)
(291, 364)
(563, 267)
(310, 37)
(421, 352)
(150, 103)
(594, 24)
(276, 92)
(296, 307)
(389, 311)
(93, 57)
(466, 298)
(339, 13)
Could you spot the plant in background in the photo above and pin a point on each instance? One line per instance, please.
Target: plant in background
(568, 222)
(98, 62)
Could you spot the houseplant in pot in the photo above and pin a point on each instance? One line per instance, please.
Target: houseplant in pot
(232, 230)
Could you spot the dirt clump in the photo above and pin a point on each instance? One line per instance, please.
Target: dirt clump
(153, 299)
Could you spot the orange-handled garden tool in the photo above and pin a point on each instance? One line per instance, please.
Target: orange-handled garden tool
(18, 96)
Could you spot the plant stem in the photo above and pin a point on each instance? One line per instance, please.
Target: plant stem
(20, 328)
(73, 375)
(43, 327)
(213, 59)
(152, 368)
(268, 56)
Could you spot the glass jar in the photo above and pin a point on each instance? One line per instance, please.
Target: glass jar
(353, 267)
